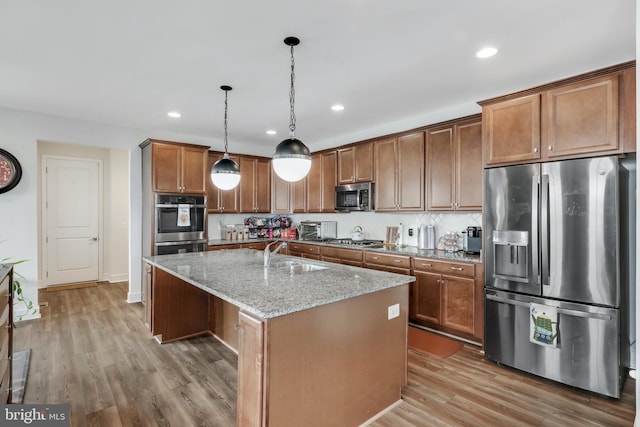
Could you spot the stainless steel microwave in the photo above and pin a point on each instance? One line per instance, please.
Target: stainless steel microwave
(354, 197)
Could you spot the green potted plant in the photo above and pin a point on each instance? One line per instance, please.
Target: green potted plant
(19, 297)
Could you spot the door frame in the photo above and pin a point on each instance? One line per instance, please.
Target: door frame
(43, 214)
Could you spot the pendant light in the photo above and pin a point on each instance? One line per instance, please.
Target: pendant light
(225, 173)
(292, 159)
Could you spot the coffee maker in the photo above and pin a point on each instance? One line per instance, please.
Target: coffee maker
(473, 240)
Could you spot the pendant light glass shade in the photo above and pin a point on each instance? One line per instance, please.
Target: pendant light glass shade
(292, 159)
(225, 173)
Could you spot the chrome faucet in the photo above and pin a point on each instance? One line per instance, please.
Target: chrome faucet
(268, 253)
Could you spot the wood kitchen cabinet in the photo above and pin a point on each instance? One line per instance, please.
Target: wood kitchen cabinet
(176, 167)
(454, 166)
(321, 183)
(255, 184)
(586, 115)
(345, 256)
(299, 196)
(304, 250)
(281, 194)
(444, 296)
(400, 264)
(220, 201)
(399, 173)
(355, 163)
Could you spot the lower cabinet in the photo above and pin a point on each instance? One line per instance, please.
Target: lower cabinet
(304, 250)
(444, 297)
(351, 257)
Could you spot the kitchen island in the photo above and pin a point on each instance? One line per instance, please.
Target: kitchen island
(318, 343)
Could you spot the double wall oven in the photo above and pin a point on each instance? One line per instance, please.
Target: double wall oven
(180, 223)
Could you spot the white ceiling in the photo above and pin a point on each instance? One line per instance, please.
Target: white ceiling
(393, 64)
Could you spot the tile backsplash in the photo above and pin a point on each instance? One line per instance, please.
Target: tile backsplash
(373, 224)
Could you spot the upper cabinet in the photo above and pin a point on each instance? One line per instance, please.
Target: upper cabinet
(281, 194)
(178, 168)
(255, 184)
(454, 166)
(592, 114)
(399, 173)
(321, 183)
(220, 201)
(355, 163)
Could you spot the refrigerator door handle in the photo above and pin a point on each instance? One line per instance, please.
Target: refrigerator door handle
(544, 232)
(566, 311)
(535, 237)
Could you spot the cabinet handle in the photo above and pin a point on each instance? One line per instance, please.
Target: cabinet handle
(374, 257)
(551, 148)
(535, 149)
(457, 268)
(426, 265)
(397, 260)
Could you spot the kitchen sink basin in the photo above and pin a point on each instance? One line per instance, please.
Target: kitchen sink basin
(296, 267)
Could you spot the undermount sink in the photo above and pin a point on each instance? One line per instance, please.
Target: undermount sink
(296, 267)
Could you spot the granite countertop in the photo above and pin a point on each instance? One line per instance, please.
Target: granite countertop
(459, 256)
(238, 277)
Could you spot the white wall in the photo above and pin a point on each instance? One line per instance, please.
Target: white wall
(373, 224)
(19, 134)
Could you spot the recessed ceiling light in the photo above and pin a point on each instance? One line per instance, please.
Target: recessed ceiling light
(337, 107)
(271, 132)
(174, 114)
(486, 52)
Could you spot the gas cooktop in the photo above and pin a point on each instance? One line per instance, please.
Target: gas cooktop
(351, 242)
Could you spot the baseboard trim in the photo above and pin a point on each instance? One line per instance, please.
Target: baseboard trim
(115, 278)
(133, 297)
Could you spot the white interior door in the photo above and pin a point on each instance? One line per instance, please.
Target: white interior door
(72, 206)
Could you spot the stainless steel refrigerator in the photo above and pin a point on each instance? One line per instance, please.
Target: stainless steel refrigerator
(557, 252)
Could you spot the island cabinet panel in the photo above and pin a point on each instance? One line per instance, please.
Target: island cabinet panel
(251, 365)
(178, 168)
(223, 321)
(351, 257)
(220, 201)
(179, 309)
(444, 296)
(342, 381)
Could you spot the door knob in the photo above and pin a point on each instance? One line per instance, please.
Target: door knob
(94, 239)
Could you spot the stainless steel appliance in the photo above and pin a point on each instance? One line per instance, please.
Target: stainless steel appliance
(426, 237)
(553, 235)
(180, 223)
(473, 240)
(362, 243)
(354, 197)
(317, 230)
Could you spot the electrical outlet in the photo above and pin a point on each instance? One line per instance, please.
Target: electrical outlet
(393, 311)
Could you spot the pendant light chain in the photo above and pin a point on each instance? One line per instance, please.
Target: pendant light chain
(226, 93)
(292, 98)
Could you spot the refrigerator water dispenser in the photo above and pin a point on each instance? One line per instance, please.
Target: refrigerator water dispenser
(510, 255)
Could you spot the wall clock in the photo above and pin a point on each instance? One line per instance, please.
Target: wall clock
(10, 171)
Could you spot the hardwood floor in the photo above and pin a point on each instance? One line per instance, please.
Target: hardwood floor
(92, 350)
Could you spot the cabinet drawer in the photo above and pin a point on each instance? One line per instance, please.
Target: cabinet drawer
(304, 248)
(343, 254)
(444, 267)
(397, 261)
(255, 245)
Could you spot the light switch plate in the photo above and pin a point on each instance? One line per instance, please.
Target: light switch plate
(393, 311)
